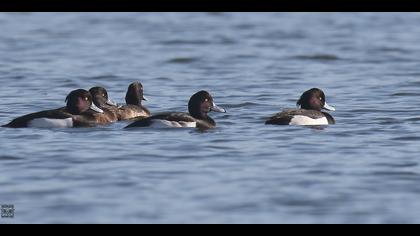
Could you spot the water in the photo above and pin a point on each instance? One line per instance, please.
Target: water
(365, 169)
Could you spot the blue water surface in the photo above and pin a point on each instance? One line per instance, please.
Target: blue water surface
(364, 169)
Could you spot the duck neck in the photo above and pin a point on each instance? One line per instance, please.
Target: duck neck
(196, 113)
(307, 107)
(202, 116)
(74, 110)
(133, 101)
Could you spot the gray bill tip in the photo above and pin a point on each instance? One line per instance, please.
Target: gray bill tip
(95, 108)
(328, 107)
(216, 108)
(111, 103)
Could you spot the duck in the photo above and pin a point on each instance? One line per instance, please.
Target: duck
(310, 113)
(79, 112)
(133, 108)
(101, 99)
(199, 105)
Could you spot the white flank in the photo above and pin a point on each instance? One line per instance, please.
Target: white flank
(51, 123)
(173, 124)
(304, 120)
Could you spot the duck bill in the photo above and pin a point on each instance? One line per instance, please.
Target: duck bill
(328, 107)
(111, 103)
(216, 108)
(93, 107)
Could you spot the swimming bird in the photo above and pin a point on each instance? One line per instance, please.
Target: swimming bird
(199, 105)
(102, 100)
(311, 103)
(134, 108)
(79, 112)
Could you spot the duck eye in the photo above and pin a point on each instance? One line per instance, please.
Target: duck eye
(86, 98)
(103, 95)
(206, 100)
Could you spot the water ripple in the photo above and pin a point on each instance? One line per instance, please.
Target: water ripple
(183, 60)
(363, 169)
(318, 57)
